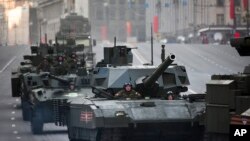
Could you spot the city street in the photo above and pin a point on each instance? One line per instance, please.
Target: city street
(201, 62)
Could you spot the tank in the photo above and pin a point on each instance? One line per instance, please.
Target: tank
(48, 96)
(228, 98)
(75, 32)
(58, 64)
(152, 117)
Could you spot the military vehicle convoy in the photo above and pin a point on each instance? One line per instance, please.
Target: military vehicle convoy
(228, 96)
(75, 33)
(153, 117)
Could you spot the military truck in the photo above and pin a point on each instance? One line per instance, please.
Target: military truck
(153, 117)
(228, 96)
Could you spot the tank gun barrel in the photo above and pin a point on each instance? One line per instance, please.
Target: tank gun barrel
(58, 79)
(150, 80)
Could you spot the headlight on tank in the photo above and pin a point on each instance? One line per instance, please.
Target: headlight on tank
(120, 114)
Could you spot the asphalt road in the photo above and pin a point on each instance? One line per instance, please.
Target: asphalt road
(201, 62)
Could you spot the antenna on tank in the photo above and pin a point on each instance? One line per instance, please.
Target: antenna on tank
(152, 43)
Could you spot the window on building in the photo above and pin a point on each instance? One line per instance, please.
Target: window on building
(220, 19)
(238, 19)
(141, 1)
(237, 2)
(112, 14)
(122, 1)
(220, 3)
(99, 14)
(141, 14)
(112, 1)
(122, 14)
(132, 15)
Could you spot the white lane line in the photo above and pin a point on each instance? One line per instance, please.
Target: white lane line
(12, 118)
(13, 112)
(18, 138)
(141, 59)
(11, 60)
(15, 132)
(192, 91)
(17, 100)
(13, 125)
(14, 106)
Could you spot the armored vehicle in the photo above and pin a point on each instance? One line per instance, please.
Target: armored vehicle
(48, 97)
(106, 117)
(57, 64)
(228, 96)
(75, 32)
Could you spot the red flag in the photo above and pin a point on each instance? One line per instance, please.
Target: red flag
(245, 4)
(129, 28)
(104, 32)
(236, 35)
(86, 116)
(232, 13)
(156, 24)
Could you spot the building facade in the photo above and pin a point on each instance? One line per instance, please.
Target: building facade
(186, 17)
(123, 19)
(49, 13)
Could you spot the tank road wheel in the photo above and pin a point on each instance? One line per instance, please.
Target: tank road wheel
(26, 110)
(37, 121)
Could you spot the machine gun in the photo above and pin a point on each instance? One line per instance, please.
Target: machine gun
(148, 84)
(102, 93)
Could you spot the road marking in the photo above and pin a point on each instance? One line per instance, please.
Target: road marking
(12, 118)
(13, 125)
(15, 132)
(141, 59)
(11, 60)
(14, 106)
(192, 91)
(18, 138)
(17, 100)
(13, 112)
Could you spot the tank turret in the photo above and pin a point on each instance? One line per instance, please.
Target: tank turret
(148, 85)
(116, 56)
(242, 45)
(157, 73)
